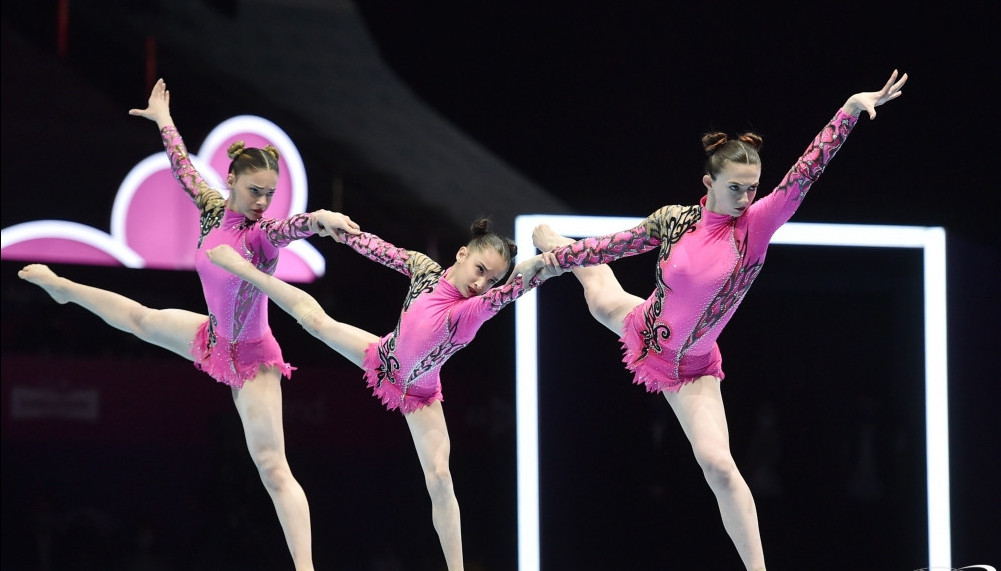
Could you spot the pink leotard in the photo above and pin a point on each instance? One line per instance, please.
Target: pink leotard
(236, 340)
(403, 368)
(706, 264)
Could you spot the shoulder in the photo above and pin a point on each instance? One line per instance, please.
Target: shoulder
(673, 214)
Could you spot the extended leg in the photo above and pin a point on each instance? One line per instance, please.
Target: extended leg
(172, 329)
(346, 339)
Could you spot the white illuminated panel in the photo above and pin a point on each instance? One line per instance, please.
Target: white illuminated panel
(930, 239)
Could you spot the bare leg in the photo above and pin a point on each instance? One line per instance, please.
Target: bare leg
(427, 426)
(607, 301)
(172, 329)
(699, 408)
(346, 339)
(259, 403)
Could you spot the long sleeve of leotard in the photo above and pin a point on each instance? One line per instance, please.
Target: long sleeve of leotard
(206, 198)
(281, 232)
(772, 211)
(669, 222)
(407, 262)
(497, 298)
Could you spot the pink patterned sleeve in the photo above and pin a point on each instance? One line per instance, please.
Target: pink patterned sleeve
(496, 298)
(599, 250)
(282, 232)
(379, 250)
(205, 197)
(778, 207)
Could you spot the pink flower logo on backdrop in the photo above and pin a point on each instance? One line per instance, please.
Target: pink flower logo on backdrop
(154, 223)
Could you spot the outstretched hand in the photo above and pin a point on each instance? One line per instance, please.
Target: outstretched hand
(869, 100)
(543, 266)
(158, 107)
(334, 224)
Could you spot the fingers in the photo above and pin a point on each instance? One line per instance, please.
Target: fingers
(328, 222)
(892, 88)
(889, 82)
(351, 226)
(900, 83)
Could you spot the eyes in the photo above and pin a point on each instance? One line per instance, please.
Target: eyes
(736, 189)
(481, 270)
(256, 191)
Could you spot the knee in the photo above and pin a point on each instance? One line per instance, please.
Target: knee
(144, 320)
(439, 482)
(594, 289)
(602, 292)
(312, 321)
(273, 469)
(718, 467)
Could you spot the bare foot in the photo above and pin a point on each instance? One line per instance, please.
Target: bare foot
(43, 277)
(545, 239)
(226, 258)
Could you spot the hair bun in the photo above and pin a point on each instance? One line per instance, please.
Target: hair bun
(480, 227)
(752, 139)
(235, 150)
(273, 151)
(713, 141)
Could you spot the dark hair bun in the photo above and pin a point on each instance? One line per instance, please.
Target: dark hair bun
(711, 142)
(752, 139)
(480, 227)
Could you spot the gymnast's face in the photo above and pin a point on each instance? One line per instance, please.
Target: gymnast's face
(475, 270)
(733, 189)
(251, 192)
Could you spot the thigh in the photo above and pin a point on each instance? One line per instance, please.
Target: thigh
(172, 329)
(608, 302)
(615, 309)
(427, 427)
(699, 408)
(259, 403)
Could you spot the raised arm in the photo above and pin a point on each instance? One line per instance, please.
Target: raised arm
(779, 206)
(208, 200)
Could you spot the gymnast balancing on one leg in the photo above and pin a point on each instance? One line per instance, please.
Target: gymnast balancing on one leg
(709, 254)
(442, 311)
(233, 343)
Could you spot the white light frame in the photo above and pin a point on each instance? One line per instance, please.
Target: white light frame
(930, 239)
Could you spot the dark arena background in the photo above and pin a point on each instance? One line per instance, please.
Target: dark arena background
(415, 120)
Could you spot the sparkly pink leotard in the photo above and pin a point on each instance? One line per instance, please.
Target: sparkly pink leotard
(236, 339)
(705, 266)
(403, 368)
